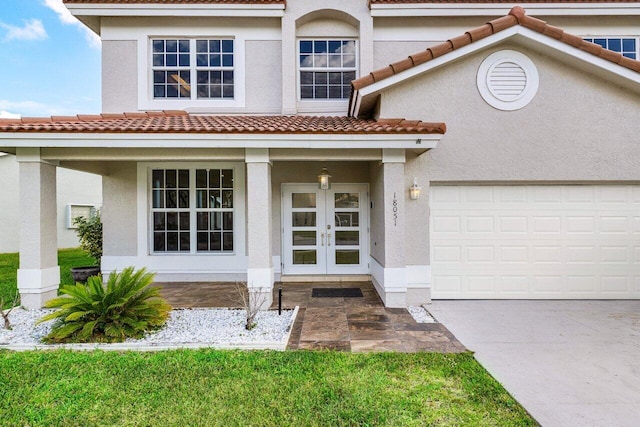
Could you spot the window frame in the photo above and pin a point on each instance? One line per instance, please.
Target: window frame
(617, 37)
(147, 232)
(193, 67)
(147, 102)
(299, 69)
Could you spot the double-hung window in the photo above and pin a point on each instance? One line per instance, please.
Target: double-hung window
(326, 68)
(627, 46)
(179, 64)
(192, 210)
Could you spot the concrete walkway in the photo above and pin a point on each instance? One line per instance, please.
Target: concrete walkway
(569, 363)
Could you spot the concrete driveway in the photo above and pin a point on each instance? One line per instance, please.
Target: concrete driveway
(569, 363)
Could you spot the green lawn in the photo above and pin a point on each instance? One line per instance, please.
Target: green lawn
(235, 388)
(67, 258)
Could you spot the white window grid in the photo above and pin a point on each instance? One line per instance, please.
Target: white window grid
(187, 214)
(174, 73)
(628, 46)
(320, 69)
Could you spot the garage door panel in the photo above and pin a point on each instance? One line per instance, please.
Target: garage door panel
(535, 242)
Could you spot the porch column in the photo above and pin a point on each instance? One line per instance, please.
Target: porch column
(395, 275)
(259, 225)
(39, 273)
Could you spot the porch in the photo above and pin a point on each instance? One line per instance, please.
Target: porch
(356, 324)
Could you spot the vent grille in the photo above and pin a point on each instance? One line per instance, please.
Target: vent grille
(507, 81)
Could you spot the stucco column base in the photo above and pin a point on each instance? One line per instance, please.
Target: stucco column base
(37, 286)
(36, 301)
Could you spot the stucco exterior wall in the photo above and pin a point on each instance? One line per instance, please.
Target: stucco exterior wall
(307, 172)
(119, 76)
(416, 227)
(72, 187)
(9, 194)
(119, 212)
(298, 21)
(376, 221)
(264, 61)
(126, 73)
(577, 128)
(440, 28)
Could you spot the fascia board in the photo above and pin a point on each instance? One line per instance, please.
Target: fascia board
(226, 10)
(626, 76)
(437, 62)
(153, 140)
(501, 9)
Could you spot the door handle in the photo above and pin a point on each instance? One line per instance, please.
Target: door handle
(322, 237)
(328, 239)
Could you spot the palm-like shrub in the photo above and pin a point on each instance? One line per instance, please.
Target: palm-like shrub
(126, 307)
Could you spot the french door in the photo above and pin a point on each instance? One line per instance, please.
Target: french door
(325, 231)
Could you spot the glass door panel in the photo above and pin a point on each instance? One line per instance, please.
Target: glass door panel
(302, 221)
(325, 231)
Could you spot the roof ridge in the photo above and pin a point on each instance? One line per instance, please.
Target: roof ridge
(516, 16)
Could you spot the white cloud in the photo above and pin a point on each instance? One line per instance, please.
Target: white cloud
(8, 115)
(68, 19)
(32, 30)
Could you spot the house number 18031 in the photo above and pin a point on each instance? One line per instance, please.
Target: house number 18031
(395, 210)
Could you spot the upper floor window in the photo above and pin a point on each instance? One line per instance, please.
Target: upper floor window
(627, 46)
(327, 68)
(178, 64)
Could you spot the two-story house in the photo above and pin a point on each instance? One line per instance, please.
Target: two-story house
(441, 149)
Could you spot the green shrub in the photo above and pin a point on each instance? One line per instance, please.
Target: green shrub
(126, 307)
(89, 230)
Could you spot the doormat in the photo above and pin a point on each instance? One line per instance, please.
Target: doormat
(336, 293)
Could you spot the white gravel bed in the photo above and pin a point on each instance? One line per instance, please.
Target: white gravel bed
(198, 327)
(421, 315)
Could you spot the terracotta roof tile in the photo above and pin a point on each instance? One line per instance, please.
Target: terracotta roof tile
(463, 40)
(516, 16)
(503, 23)
(181, 122)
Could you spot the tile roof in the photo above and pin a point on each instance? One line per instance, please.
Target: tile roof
(516, 16)
(249, 2)
(182, 122)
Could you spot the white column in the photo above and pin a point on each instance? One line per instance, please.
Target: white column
(259, 225)
(39, 273)
(394, 268)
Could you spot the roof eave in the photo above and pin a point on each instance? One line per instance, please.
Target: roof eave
(189, 10)
(501, 9)
(417, 141)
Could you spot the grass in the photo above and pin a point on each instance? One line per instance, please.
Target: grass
(67, 258)
(234, 388)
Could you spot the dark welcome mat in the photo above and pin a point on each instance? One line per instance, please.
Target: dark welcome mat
(336, 293)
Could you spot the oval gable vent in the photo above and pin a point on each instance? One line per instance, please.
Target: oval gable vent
(507, 80)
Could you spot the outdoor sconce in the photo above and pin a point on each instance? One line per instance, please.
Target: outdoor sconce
(414, 190)
(323, 179)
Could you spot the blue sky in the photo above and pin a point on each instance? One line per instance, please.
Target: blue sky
(49, 62)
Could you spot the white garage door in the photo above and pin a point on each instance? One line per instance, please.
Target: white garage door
(579, 241)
